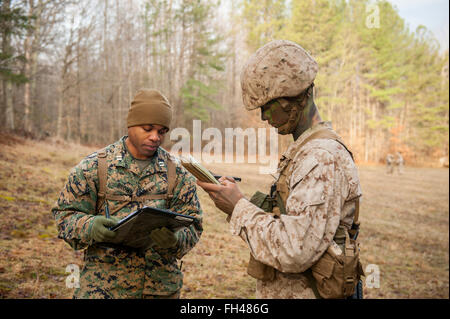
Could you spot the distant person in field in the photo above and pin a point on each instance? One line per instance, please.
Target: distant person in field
(390, 163)
(443, 161)
(399, 163)
(312, 206)
(121, 178)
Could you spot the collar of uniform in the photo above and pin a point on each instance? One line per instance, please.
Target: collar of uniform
(123, 158)
(157, 164)
(292, 149)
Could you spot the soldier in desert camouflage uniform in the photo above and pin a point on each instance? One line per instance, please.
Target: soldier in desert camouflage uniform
(137, 175)
(317, 183)
(389, 163)
(399, 162)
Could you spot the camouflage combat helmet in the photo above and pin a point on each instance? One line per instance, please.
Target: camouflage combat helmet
(280, 68)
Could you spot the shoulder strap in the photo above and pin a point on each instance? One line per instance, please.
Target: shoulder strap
(356, 216)
(171, 177)
(354, 229)
(102, 173)
(102, 178)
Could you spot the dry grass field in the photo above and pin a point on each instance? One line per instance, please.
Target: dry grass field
(405, 229)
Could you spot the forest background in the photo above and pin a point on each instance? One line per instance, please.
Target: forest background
(69, 69)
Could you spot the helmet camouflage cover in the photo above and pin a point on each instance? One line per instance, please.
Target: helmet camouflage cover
(280, 68)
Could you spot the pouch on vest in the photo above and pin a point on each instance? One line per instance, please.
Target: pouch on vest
(263, 201)
(255, 268)
(260, 271)
(336, 275)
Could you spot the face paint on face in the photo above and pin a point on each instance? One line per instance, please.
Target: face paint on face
(274, 113)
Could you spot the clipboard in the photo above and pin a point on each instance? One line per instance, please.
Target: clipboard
(134, 230)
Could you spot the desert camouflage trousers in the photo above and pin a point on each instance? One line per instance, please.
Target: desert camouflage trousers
(285, 286)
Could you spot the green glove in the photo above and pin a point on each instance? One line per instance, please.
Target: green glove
(100, 232)
(164, 237)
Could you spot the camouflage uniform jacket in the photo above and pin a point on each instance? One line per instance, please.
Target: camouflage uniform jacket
(114, 272)
(323, 183)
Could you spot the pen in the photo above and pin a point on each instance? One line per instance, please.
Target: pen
(237, 179)
(106, 209)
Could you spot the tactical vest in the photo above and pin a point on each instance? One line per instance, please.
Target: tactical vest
(324, 267)
(103, 195)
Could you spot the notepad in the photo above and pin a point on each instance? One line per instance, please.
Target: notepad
(197, 169)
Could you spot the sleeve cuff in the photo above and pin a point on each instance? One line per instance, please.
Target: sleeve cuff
(86, 230)
(242, 212)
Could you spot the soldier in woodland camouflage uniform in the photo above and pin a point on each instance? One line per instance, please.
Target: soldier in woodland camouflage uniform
(137, 176)
(317, 179)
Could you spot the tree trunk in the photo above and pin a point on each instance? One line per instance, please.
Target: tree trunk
(60, 110)
(34, 112)
(9, 113)
(27, 86)
(29, 47)
(6, 83)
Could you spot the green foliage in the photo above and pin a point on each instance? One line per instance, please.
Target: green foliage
(206, 60)
(13, 22)
(198, 99)
(263, 19)
(11, 76)
(188, 23)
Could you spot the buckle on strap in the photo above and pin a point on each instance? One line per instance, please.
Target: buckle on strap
(348, 286)
(349, 280)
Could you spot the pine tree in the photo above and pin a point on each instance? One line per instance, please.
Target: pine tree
(13, 23)
(205, 60)
(263, 20)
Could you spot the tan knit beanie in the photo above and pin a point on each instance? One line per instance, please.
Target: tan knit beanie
(149, 106)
